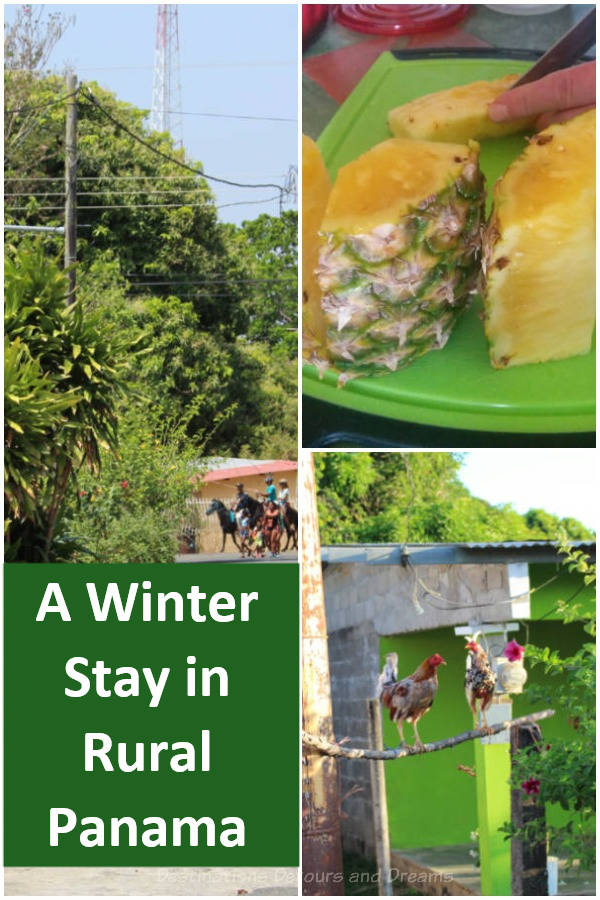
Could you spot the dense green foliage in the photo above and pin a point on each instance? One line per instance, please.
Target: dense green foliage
(194, 320)
(416, 497)
(64, 376)
(565, 770)
(134, 509)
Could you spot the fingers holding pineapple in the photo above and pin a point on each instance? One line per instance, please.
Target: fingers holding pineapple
(459, 114)
(556, 97)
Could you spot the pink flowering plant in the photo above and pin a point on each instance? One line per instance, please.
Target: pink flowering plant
(514, 652)
(562, 772)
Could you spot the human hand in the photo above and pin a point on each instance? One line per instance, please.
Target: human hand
(553, 98)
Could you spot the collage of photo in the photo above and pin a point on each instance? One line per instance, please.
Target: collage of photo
(313, 286)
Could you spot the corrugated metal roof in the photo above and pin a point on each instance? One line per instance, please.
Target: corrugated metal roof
(453, 554)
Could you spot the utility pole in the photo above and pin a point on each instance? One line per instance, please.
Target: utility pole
(71, 184)
(322, 870)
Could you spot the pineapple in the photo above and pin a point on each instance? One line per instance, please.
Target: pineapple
(315, 191)
(400, 246)
(457, 114)
(539, 250)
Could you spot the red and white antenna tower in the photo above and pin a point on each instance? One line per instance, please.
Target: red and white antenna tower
(166, 85)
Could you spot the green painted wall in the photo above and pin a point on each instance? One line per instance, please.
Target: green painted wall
(429, 801)
(554, 583)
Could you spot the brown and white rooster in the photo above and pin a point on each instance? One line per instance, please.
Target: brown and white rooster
(480, 681)
(408, 700)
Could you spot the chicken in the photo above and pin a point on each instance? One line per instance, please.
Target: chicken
(408, 700)
(480, 681)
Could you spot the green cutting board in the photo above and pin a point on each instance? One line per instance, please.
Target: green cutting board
(455, 387)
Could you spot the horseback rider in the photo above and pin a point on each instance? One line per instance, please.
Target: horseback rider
(243, 500)
(271, 492)
(284, 495)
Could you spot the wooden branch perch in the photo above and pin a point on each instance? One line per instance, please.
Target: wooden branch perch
(328, 748)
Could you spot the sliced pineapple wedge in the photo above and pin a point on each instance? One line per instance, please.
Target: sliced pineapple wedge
(457, 114)
(315, 192)
(539, 249)
(400, 244)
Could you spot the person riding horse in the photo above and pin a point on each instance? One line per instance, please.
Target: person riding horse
(271, 493)
(243, 499)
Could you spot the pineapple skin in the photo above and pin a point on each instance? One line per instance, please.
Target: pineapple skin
(456, 114)
(316, 186)
(394, 292)
(538, 277)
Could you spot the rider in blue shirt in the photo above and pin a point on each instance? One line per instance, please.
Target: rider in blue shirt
(271, 492)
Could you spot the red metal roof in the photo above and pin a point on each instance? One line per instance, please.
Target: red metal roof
(241, 472)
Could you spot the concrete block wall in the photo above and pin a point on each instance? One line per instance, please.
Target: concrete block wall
(389, 597)
(353, 665)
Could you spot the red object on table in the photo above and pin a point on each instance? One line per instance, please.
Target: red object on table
(314, 17)
(398, 18)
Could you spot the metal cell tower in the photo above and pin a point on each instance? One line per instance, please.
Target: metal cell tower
(166, 86)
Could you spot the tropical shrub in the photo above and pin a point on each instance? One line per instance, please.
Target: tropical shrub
(72, 377)
(134, 508)
(563, 772)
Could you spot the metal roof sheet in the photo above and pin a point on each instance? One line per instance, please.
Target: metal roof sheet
(453, 554)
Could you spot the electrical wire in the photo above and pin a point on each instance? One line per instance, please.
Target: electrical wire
(82, 209)
(86, 92)
(18, 109)
(253, 64)
(247, 202)
(101, 177)
(181, 205)
(99, 193)
(211, 115)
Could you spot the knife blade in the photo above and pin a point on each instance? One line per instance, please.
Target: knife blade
(566, 51)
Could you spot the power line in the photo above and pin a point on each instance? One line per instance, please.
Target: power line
(106, 178)
(117, 206)
(248, 202)
(258, 64)
(87, 93)
(98, 193)
(83, 208)
(18, 109)
(231, 116)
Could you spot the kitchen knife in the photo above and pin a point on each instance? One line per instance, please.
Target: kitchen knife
(566, 51)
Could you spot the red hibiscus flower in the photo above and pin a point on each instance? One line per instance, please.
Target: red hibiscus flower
(531, 786)
(124, 485)
(513, 652)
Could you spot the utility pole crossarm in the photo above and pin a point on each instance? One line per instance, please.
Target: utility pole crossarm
(329, 748)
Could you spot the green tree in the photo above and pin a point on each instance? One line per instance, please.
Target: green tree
(134, 509)
(272, 304)
(68, 356)
(413, 497)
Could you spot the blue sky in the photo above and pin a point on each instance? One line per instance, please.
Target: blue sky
(563, 482)
(235, 59)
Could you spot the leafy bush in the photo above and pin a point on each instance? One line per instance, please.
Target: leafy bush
(134, 508)
(564, 772)
(64, 374)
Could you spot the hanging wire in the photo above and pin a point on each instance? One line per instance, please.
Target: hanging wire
(88, 95)
(19, 109)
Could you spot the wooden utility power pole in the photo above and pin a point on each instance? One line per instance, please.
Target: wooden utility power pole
(529, 860)
(380, 810)
(71, 184)
(322, 870)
